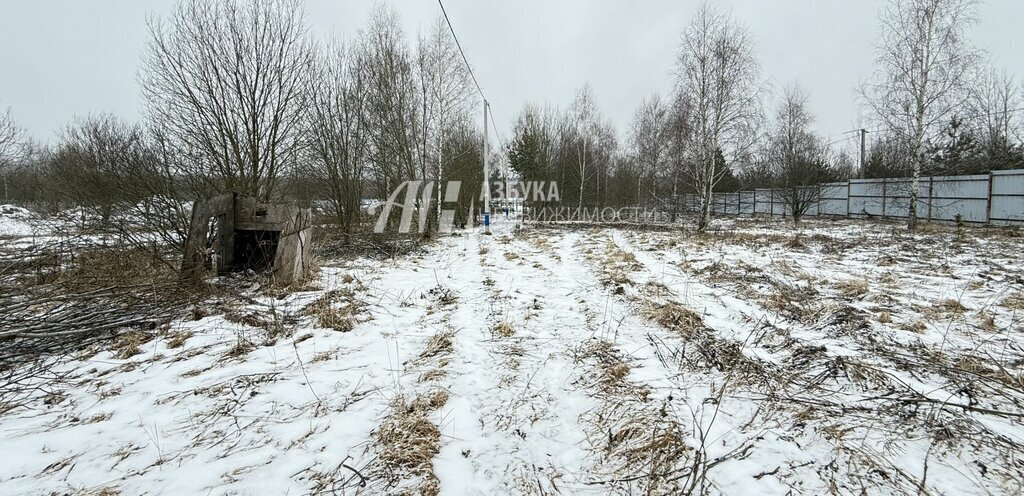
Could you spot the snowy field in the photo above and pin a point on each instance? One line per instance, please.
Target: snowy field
(855, 359)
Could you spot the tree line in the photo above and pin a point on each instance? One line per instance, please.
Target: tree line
(240, 97)
(935, 104)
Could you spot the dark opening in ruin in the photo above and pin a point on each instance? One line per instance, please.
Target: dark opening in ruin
(255, 249)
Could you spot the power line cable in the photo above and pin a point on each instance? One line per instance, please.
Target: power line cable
(459, 45)
(490, 114)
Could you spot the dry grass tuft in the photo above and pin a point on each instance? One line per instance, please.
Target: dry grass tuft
(329, 315)
(795, 244)
(1014, 301)
(503, 329)
(241, 348)
(127, 344)
(409, 441)
(433, 375)
(950, 306)
(885, 317)
(988, 321)
(443, 296)
(917, 326)
(177, 340)
(441, 343)
(675, 317)
(852, 288)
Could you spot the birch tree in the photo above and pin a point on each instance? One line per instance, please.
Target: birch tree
(923, 63)
(649, 144)
(717, 75)
(447, 92)
(584, 121)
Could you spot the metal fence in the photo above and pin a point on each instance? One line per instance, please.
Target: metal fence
(996, 198)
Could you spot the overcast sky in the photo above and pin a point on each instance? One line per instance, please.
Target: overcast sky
(63, 58)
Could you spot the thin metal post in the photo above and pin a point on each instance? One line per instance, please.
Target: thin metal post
(487, 179)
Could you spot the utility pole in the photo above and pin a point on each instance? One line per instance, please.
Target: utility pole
(487, 179)
(863, 147)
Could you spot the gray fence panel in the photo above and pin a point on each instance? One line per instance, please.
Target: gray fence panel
(833, 200)
(966, 196)
(866, 197)
(996, 198)
(1007, 197)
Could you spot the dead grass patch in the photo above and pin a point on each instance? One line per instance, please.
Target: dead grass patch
(126, 345)
(177, 340)
(1015, 301)
(503, 329)
(675, 317)
(852, 288)
(241, 348)
(408, 441)
(917, 326)
(330, 315)
(950, 306)
(439, 344)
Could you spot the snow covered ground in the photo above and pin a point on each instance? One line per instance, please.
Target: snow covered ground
(15, 221)
(853, 359)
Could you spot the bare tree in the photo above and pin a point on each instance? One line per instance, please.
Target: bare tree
(585, 123)
(923, 62)
(226, 81)
(717, 75)
(392, 107)
(338, 137)
(798, 158)
(649, 143)
(447, 95)
(995, 96)
(12, 138)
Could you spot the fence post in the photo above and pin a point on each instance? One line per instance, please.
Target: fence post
(817, 203)
(849, 189)
(931, 186)
(988, 202)
(754, 213)
(885, 183)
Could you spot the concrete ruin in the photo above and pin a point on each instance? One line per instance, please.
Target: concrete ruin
(233, 233)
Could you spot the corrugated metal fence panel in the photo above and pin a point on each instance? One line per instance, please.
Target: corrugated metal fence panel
(998, 199)
(966, 196)
(746, 202)
(832, 200)
(1008, 197)
(866, 197)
